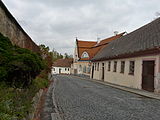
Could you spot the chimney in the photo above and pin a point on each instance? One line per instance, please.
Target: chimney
(115, 33)
(98, 39)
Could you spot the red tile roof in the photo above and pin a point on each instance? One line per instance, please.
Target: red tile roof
(87, 44)
(93, 47)
(107, 40)
(63, 62)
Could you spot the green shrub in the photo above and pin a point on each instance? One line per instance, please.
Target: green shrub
(19, 66)
(41, 80)
(19, 83)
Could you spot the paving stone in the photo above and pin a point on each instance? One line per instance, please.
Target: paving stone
(85, 100)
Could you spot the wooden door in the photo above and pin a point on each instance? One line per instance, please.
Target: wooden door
(92, 71)
(75, 71)
(148, 75)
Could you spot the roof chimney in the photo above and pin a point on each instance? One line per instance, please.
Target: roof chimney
(115, 33)
(76, 38)
(98, 39)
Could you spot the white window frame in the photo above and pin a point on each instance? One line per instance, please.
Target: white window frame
(85, 55)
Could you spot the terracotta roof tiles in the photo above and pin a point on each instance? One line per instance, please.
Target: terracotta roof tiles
(63, 62)
(92, 47)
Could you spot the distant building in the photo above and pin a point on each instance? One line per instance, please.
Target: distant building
(85, 51)
(62, 66)
(132, 60)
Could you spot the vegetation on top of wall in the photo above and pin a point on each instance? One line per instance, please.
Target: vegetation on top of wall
(18, 66)
(22, 74)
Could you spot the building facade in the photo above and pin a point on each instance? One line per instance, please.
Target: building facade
(82, 55)
(61, 70)
(62, 66)
(85, 51)
(132, 60)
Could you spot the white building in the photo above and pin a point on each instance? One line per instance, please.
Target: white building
(62, 66)
(85, 51)
(132, 60)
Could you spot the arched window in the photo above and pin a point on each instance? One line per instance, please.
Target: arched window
(85, 55)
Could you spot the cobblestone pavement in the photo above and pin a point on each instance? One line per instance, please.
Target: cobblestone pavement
(85, 100)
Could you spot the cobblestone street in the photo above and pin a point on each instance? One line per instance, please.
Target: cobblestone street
(85, 100)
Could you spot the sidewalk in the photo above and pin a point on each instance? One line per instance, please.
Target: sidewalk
(132, 90)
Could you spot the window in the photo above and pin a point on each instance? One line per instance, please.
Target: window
(88, 69)
(98, 67)
(122, 66)
(95, 66)
(131, 68)
(85, 55)
(84, 69)
(65, 69)
(53, 69)
(109, 65)
(80, 68)
(115, 66)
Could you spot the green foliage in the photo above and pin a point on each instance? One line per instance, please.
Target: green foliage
(47, 57)
(56, 55)
(17, 103)
(41, 82)
(19, 66)
(19, 83)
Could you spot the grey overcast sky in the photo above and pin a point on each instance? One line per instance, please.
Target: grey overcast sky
(56, 23)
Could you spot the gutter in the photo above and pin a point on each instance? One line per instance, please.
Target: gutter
(154, 51)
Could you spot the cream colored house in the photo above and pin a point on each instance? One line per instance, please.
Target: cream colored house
(132, 60)
(82, 55)
(85, 51)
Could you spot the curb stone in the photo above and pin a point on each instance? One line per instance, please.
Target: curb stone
(56, 115)
(131, 90)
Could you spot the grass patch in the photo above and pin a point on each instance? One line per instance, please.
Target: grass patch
(17, 103)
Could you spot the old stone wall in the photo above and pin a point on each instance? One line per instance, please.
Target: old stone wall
(10, 28)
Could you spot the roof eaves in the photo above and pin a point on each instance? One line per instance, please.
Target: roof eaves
(131, 54)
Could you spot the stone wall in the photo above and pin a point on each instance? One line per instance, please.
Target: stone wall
(10, 28)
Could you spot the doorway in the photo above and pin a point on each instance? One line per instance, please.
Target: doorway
(148, 75)
(103, 71)
(59, 70)
(92, 71)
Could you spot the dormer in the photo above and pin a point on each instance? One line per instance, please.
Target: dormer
(85, 55)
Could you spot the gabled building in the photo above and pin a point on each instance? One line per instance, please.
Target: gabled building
(62, 66)
(132, 60)
(85, 51)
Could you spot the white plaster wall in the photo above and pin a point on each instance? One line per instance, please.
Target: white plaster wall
(72, 69)
(97, 73)
(83, 64)
(63, 71)
(125, 79)
(75, 54)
